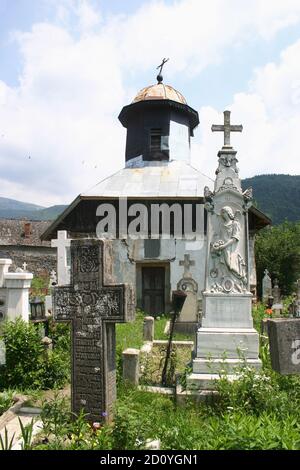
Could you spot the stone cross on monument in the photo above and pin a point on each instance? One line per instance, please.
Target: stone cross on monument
(186, 263)
(227, 128)
(93, 308)
(227, 324)
(62, 243)
(24, 266)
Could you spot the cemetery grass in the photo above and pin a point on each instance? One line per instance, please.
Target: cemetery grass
(270, 420)
(259, 411)
(130, 335)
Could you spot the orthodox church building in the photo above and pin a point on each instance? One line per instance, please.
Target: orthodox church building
(157, 174)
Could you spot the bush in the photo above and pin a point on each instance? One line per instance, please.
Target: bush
(27, 366)
(6, 400)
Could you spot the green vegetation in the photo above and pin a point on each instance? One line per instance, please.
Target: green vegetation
(278, 196)
(278, 250)
(6, 400)
(27, 364)
(39, 287)
(261, 410)
(257, 412)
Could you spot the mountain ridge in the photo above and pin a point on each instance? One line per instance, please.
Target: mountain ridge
(277, 195)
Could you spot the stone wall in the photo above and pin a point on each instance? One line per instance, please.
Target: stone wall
(40, 259)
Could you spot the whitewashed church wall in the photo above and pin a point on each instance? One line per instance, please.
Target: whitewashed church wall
(130, 252)
(179, 145)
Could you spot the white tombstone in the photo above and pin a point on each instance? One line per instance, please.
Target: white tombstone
(189, 312)
(62, 243)
(48, 304)
(266, 286)
(17, 295)
(4, 266)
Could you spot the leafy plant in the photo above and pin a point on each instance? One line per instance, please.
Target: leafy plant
(6, 400)
(26, 432)
(6, 444)
(26, 364)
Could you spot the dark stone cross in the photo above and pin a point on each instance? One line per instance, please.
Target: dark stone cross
(227, 128)
(186, 263)
(93, 308)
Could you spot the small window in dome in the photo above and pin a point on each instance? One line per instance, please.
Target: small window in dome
(155, 140)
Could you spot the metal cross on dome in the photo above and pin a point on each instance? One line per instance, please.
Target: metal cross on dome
(227, 128)
(160, 67)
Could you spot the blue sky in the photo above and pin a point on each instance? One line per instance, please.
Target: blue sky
(68, 66)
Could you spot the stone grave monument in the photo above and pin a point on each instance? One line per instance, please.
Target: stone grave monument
(284, 339)
(227, 331)
(266, 286)
(187, 322)
(277, 306)
(14, 292)
(93, 306)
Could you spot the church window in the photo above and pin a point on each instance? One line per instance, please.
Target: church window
(155, 140)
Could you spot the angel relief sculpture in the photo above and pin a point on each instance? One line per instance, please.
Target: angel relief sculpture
(229, 268)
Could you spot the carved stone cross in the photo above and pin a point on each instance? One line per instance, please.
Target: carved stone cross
(186, 262)
(227, 128)
(93, 308)
(24, 266)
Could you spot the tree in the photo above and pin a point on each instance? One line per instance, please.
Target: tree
(278, 250)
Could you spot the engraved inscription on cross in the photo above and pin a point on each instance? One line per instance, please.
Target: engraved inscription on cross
(93, 308)
(227, 128)
(186, 263)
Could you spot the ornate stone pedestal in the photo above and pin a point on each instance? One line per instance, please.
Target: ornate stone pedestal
(226, 338)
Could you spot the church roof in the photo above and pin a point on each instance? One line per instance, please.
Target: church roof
(173, 179)
(168, 180)
(159, 91)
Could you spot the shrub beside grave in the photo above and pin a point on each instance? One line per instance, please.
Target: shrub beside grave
(26, 364)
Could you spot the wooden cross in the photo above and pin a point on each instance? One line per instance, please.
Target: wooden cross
(62, 243)
(227, 128)
(93, 308)
(186, 262)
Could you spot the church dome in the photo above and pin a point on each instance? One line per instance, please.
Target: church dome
(160, 91)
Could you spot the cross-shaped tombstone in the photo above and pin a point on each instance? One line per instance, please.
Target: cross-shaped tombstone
(93, 308)
(62, 243)
(24, 266)
(227, 128)
(186, 263)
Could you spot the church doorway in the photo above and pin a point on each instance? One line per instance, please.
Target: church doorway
(153, 290)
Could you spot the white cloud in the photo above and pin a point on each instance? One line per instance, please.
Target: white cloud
(64, 112)
(270, 113)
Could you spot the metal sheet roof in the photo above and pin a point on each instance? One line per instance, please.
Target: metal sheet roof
(174, 179)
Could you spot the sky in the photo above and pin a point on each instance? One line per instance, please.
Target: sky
(67, 67)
